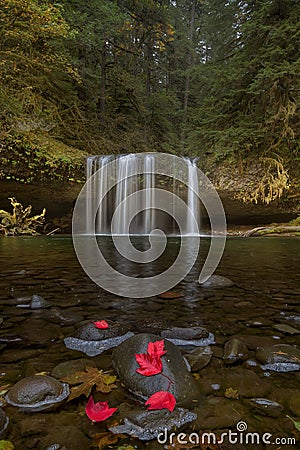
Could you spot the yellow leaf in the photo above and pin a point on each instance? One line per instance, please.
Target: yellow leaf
(4, 389)
(196, 376)
(109, 379)
(231, 393)
(83, 382)
(102, 440)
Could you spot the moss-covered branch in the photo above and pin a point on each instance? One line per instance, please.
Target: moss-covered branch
(19, 222)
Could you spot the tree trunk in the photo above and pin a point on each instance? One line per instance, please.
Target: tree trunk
(149, 50)
(189, 60)
(102, 103)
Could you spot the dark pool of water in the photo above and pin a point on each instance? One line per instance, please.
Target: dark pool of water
(267, 290)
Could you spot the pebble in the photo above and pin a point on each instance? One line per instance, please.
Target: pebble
(279, 358)
(287, 329)
(199, 358)
(234, 351)
(217, 281)
(266, 407)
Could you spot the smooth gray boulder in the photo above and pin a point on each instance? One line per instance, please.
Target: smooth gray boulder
(89, 332)
(37, 393)
(93, 341)
(183, 386)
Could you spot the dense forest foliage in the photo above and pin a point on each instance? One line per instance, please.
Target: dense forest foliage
(210, 78)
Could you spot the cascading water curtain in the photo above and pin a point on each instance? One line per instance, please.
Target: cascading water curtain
(102, 202)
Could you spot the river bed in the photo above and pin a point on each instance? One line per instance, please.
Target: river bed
(265, 296)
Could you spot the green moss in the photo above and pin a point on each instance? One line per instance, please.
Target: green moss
(29, 158)
(295, 222)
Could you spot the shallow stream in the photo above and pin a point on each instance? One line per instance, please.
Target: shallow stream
(265, 294)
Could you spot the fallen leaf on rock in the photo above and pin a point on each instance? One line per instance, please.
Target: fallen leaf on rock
(231, 393)
(161, 400)
(98, 412)
(150, 362)
(171, 294)
(156, 349)
(101, 324)
(87, 380)
(102, 440)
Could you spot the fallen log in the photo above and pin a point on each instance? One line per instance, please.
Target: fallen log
(265, 231)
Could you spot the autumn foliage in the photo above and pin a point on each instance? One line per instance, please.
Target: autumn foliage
(97, 412)
(151, 364)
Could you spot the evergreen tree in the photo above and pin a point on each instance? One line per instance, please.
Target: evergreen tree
(250, 108)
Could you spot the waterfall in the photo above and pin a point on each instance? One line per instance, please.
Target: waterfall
(192, 199)
(131, 174)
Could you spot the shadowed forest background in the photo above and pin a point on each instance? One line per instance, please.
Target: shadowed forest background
(213, 79)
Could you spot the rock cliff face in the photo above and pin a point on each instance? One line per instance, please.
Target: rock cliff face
(234, 184)
(59, 196)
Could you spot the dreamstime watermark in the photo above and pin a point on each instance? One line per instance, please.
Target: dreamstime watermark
(239, 436)
(94, 262)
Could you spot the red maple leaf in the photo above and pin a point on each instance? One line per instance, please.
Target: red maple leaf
(150, 363)
(161, 400)
(102, 324)
(156, 348)
(97, 412)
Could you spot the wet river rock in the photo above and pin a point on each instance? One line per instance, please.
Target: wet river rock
(286, 329)
(266, 407)
(184, 387)
(93, 341)
(67, 368)
(196, 336)
(37, 393)
(154, 326)
(279, 358)
(89, 332)
(234, 351)
(3, 421)
(217, 282)
(36, 302)
(147, 425)
(61, 317)
(199, 358)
